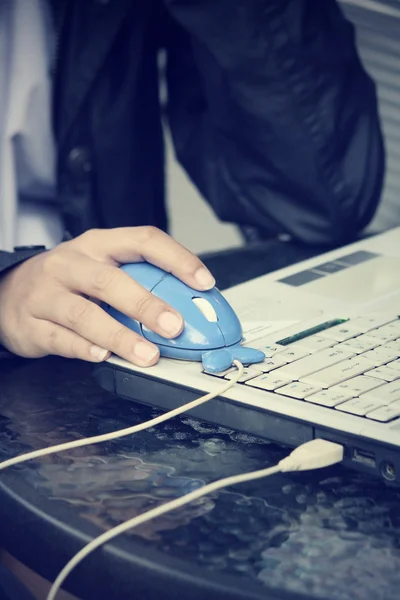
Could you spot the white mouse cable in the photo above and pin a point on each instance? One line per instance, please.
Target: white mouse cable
(315, 454)
(113, 435)
(312, 455)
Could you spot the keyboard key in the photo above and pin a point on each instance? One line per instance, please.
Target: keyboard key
(291, 354)
(360, 344)
(392, 328)
(385, 413)
(394, 345)
(387, 333)
(269, 364)
(281, 358)
(247, 374)
(329, 398)
(395, 364)
(316, 362)
(385, 373)
(380, 356)
(368, 322)
(360, 406)
(256, 332)
(314, 343)
(222, 373)
(298, 390)
(388, 393)
(339, 372)
(268, 347)
(270, 381)
(357, 385)
(341, 333)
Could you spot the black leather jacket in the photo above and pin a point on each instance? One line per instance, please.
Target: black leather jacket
(271, 114)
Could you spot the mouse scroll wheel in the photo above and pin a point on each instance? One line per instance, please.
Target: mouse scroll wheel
(206, 308)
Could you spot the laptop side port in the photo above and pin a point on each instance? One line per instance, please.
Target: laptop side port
(364, 457)
(388, 471)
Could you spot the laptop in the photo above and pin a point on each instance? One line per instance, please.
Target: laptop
(330, 329)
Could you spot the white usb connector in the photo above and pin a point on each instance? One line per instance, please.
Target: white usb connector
(315, 454)
(311, 455)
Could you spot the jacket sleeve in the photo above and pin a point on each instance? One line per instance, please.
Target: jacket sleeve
(12, 259)
(274, 117)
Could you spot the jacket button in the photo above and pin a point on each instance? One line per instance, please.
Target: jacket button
(79, 162)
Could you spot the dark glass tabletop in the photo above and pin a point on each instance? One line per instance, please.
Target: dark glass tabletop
(331, 534)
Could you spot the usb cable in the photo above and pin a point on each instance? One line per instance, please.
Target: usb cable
(315, 454)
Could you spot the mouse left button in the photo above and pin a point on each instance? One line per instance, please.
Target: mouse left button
(145, 274)
(123, 319)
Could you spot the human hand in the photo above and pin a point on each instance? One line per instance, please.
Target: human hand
(49, 304)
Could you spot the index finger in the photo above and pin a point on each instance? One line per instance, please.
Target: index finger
(112, 286)
(136, 244)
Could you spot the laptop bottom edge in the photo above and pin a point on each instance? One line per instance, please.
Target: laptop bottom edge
(362, 454)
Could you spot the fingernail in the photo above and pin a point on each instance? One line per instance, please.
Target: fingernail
(98, 353)
(204, 278)
(170, 323)
(145, 352)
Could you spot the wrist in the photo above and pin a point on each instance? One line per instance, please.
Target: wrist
(8, 260)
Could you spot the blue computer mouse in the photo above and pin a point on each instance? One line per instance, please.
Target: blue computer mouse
(212, 331)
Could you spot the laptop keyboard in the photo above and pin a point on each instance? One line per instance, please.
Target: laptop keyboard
(349, 365)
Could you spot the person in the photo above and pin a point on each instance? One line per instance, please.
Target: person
(270, 110)
(49, 304)
(271, 114)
